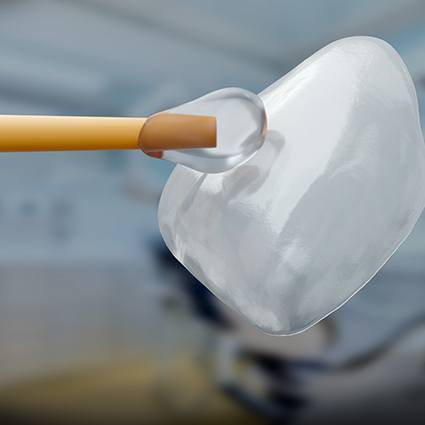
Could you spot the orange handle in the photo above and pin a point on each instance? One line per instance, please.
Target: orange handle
(20, 133)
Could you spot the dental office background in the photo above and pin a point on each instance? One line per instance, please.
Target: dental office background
(98, 323)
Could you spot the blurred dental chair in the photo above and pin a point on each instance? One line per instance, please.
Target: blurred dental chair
(295, 378)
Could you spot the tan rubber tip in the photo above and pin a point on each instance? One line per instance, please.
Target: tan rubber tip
(167, 131)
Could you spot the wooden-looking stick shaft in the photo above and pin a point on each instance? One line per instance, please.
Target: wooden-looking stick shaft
(20, 133)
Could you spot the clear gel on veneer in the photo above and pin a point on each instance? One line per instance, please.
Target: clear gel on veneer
(241, 129)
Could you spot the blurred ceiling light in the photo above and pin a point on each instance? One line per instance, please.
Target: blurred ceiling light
(191, 24)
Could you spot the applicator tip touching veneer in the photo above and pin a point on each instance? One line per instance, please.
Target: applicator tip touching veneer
(178, 131)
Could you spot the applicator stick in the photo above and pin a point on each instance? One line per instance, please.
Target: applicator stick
(22, 133)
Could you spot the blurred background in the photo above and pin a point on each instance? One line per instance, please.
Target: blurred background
(98, 323)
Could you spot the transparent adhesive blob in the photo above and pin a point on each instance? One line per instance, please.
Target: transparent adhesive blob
(290, 235)
(241, 130)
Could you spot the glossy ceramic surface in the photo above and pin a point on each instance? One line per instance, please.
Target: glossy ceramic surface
(292, 234)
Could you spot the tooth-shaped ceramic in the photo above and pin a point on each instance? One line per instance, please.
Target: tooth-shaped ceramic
(292, 234)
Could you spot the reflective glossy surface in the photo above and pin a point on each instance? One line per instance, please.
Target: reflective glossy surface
(293, 233)
(241, 130)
